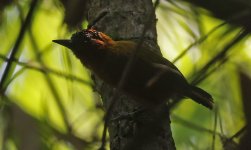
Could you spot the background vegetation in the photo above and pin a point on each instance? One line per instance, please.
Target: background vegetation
(47, 101)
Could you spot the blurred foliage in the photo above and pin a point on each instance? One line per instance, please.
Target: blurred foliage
(76, 8)
(49, 93)
(232, 11)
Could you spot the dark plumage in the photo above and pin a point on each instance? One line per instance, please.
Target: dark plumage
(152, 79)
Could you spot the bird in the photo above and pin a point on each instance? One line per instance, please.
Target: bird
(152, 79)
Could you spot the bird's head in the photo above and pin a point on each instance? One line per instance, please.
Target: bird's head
(88, 38)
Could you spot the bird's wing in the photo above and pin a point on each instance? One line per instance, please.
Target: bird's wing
(147, 54)
(150, 56)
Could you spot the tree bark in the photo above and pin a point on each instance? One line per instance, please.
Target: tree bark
(126, 19)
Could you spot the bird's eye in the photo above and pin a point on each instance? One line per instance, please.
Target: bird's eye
(85, 36)
(81, 36)
(77, 36)
(96, 35)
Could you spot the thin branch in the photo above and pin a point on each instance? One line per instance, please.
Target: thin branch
(211, 71)
(44, 70)
(51, 86)
(238, 133)
(200, 40)
(191, 125)
(20, 37)
(215, 127)
(204, 73)
(220, 123)
(219, 56)
(228, 142)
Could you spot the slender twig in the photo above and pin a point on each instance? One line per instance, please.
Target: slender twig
(92, 24)
(203, 73)
(45, 70)
(220, 123)
(232, 18)
(219, 56)
(192, 125)
(14, 51)
(211, 71)
(200, 40)
(215, 127)
(51, 86)
(53, 90)
(238, 133)
(226, 140)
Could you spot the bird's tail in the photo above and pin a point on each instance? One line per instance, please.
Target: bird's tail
(200, 96)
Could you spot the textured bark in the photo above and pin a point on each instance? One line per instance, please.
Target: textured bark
(126, 19)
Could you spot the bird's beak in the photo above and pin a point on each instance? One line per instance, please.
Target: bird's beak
(66, 43)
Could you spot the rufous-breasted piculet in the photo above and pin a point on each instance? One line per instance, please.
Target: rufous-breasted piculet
(152, 79)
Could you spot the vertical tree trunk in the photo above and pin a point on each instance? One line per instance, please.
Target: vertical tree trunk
(126, 19)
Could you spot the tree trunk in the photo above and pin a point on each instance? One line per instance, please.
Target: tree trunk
(126, 19)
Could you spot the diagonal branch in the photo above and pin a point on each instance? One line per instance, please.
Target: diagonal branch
(44, 70)
(18, 42)
(220, 56)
